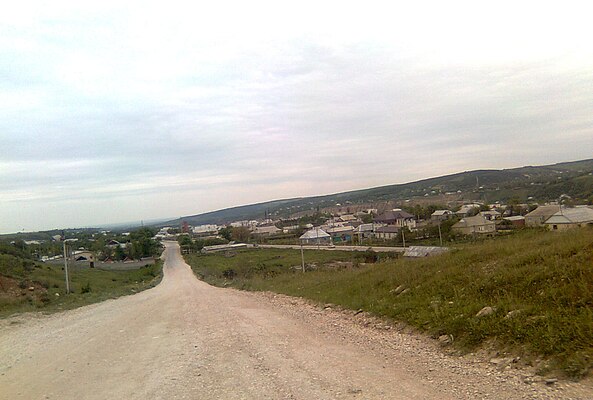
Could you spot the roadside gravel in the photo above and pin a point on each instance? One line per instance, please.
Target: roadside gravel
(477, 375)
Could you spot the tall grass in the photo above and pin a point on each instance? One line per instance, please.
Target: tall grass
(545, 278)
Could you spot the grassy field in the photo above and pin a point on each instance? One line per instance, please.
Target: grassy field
(242, 269)
(540, 285)
(29, 286)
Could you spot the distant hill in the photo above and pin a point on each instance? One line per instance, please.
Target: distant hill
(525, 184)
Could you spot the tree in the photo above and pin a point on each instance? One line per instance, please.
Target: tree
(120, 254)
(484, 207)
(366, 218)
(134, 251)
(240, 234)
(226, 232)
(184, 240)
(142, 233)
(106, 251)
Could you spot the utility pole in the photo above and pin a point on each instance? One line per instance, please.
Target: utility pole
(66, 268)
(403, 238)
(302, 257)
(317, 233)
(440, 235)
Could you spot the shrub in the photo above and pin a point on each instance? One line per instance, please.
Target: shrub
(229, 273)
(368, 256)
(45, 298)
(86, 288)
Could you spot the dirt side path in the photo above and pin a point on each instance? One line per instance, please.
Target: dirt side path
(187, 340)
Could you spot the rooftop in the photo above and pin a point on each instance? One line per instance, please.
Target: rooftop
(315, 233)
(473, 221)
(576, 215)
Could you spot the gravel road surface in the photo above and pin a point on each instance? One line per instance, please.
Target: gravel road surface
(187, 340)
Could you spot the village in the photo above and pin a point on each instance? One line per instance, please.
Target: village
(363, 226)
(427, 226)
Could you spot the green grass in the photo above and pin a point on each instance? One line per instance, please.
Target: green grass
(247, 266)
(87, 285)
(547, 276)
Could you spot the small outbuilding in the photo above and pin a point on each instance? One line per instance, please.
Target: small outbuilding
(315, 236)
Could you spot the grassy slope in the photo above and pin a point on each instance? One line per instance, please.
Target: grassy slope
(548, 276)
(49, 280)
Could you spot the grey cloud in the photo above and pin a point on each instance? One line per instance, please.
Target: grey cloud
(113, 120)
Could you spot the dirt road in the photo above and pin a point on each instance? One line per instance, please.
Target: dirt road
(187, 340)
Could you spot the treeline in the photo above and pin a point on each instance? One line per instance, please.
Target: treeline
(136, 245)
(188, 244)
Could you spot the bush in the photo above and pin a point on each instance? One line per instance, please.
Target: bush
(86, 288)
(368, 256)
(229, 273)
(45, 298)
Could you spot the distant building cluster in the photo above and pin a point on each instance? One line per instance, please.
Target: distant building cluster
(470, 219)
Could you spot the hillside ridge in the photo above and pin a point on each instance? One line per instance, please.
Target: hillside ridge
(527, 183)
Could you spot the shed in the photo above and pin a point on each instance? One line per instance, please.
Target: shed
(315, 236)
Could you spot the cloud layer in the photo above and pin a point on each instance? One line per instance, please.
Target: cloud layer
(125, 112)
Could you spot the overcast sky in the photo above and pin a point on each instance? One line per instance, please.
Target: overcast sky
(114, 112)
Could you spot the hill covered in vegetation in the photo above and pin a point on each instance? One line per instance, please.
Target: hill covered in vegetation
(535, 184)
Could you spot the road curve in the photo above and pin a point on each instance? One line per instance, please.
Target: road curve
(185, 339)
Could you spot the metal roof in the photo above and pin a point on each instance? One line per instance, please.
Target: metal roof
(515, 218)
(576, 215)
(441, 212)
(387, 229)
(544, 210)
(473, 221)
(424, 251)
(315, 233)
(338, 229)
